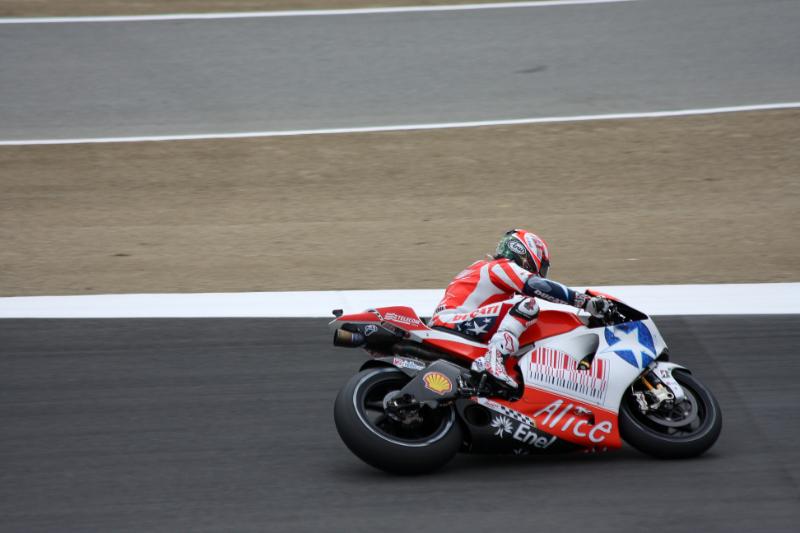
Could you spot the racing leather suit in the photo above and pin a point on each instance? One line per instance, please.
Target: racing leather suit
(494, 301)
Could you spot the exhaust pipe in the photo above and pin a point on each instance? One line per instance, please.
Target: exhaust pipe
(348, 339)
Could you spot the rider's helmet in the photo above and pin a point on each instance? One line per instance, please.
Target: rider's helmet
(526, 249)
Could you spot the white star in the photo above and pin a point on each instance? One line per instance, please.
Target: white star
(476, 329)
(630, 341)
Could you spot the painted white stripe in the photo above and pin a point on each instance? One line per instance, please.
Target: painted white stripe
(728, 299)
(499, 272)
(408, 127)
(303, 13)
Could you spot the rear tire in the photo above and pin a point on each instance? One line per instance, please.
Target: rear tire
(385, 443)
(662, 435)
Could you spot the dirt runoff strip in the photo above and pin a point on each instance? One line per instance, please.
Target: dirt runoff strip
(675, 200)
(77, 8)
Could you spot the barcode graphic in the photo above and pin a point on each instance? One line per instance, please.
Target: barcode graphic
(556, 370)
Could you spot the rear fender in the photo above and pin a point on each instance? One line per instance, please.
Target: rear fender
(367, 317)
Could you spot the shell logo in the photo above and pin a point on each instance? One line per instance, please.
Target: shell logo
(437, 382)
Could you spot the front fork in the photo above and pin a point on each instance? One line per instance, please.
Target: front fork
(659, 387)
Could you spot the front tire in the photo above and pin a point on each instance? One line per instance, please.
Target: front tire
(664, 434)
(385, 443)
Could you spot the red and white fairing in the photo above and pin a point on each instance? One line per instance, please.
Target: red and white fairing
(579, 406)
(558, 400)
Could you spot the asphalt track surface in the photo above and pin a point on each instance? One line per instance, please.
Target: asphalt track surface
(209, 424)
(103, 79)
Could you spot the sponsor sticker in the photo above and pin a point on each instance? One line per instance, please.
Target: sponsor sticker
(557, 371)
(526, 435)
(401, 362)
(370, 329)
(402, 319)
(516, 247)
(502, 425)
(485, 311)
(437, 382)
(523, 433)
(562, 416)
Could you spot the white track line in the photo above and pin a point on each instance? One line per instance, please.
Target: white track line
(727, 299)
(304, 13)
(407, 127)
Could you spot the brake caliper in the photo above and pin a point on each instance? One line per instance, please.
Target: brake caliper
(402, 408)
(660, 388)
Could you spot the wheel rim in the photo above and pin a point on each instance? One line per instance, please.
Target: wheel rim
(683, 420)
(368, 400)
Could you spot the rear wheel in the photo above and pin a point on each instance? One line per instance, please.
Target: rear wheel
(685, 429)
(412, 445)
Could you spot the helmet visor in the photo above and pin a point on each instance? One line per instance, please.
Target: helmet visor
(545, 268)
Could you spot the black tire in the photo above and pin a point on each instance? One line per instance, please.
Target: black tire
(674, 441)
(384, 443)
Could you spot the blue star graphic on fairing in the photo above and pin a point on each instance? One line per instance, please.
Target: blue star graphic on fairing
(629, 339)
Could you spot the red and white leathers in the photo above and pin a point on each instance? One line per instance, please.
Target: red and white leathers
(493, 300)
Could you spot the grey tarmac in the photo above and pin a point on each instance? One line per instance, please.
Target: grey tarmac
(210, 425)
(111, 79)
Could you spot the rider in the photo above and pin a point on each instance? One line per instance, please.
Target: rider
(493, 299)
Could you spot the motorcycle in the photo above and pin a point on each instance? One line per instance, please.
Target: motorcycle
(585, 383)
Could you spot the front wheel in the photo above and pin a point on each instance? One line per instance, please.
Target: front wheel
(685, 430)
(417, 444)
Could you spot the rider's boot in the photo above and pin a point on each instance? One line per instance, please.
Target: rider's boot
(505, 342)
(501, 345)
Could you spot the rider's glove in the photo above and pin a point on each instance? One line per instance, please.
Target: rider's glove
(597, 306)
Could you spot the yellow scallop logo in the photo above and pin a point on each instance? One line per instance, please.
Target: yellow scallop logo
(437, 382)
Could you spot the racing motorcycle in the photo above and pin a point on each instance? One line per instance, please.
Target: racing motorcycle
(585, 383)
